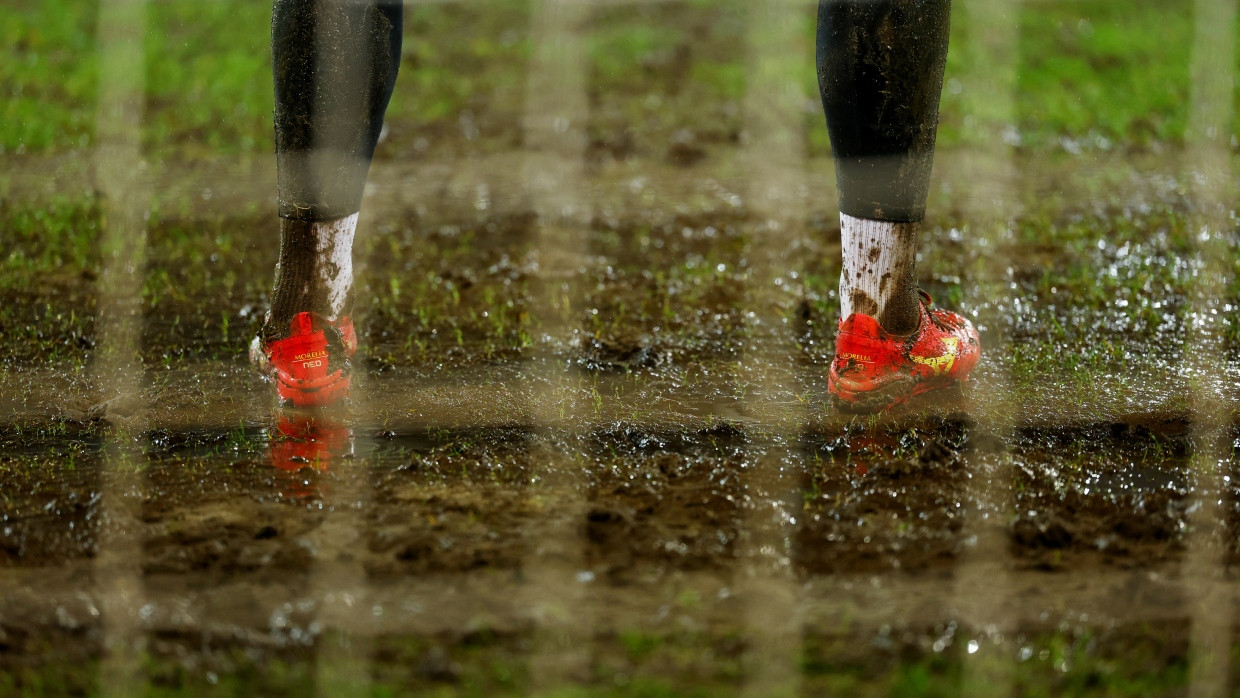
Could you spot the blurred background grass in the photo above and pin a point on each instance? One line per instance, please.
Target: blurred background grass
(1089, 70)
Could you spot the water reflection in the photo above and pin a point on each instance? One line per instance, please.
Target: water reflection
(304, 444)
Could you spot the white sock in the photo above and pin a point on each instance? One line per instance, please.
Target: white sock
(333, 260)
(879, 275)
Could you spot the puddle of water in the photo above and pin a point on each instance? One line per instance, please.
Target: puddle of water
(232, 524)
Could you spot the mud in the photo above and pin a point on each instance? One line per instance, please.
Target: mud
(253, 511)
(641, 475)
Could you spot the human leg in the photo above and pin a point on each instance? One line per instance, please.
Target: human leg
(880, 74)
(334, 66)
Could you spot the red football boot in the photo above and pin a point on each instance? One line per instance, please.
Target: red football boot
(310, 366)
(875, 370)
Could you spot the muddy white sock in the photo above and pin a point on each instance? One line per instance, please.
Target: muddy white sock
(879, 275)
(333, 263)
(315, 272)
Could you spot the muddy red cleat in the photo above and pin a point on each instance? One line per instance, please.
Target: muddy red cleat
(310, 366)
(875, 370)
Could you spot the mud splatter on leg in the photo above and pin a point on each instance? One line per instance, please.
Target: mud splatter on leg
(314, 274)
(879, 275)
(880, 75)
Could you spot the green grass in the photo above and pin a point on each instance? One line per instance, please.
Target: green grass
(1142, 661)
(47, 267)
(1094, 74)
(466, 94)
(59, 235)
(1086, 70)
(457, 296)
(49, 74)
(208, 74)
(1115, 71)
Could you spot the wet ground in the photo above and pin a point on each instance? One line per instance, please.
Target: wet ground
(591, 450)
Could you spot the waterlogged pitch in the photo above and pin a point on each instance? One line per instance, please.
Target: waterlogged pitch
(591, 450)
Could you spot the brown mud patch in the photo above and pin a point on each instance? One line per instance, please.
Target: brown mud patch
(886, 497)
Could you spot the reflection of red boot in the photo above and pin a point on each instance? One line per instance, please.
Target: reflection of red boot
(310, 366)
(308, 441)
(874, 370)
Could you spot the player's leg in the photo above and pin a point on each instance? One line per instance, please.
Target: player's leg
(334, 64)
(880, 73)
